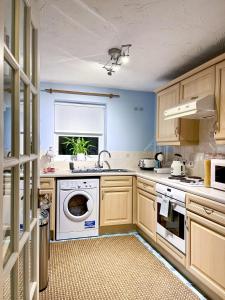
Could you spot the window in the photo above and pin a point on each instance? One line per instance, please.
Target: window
(63, 149)
(74, 120)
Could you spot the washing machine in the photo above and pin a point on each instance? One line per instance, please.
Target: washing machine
(77, 208)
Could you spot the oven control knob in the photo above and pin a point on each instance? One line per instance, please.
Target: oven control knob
(78, 186)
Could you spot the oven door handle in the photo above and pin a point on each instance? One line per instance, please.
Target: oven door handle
(172, 201)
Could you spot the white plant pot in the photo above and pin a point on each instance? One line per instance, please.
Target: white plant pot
(80, 156)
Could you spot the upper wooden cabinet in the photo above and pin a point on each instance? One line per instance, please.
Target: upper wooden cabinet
(202, 83)
(220, 103)
(167, 131)
(182, 131)
(175, 131)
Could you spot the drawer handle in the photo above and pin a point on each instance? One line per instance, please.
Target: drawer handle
(208, 210)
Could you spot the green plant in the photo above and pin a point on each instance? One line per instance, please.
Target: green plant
(77, 145)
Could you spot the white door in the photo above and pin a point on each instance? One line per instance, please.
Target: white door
(19, 151)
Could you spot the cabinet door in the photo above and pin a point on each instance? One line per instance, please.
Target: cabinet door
(202, 83)
(206, 252)
(116, 206)
(167, 130)
(220, 103)
(146, 216)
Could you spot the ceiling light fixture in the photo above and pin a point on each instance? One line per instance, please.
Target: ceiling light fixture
(118, 57)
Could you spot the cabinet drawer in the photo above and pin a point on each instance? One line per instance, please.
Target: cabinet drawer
(46, 183)
(209, 209)
(146, 185)
(116, 181)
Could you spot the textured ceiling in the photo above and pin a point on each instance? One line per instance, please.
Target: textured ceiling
(168, 37)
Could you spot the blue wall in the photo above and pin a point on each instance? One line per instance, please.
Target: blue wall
(130, 118)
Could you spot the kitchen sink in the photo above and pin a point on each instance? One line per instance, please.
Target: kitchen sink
(96, 170)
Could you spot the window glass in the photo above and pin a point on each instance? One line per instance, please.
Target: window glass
(7, 206)
(8, 100)
(22, 200)
(8, 23)
(31, 121)
(32, 54)
(22, 116)
(71, 145)
(22, 33)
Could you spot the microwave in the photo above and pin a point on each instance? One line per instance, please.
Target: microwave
(218, 174)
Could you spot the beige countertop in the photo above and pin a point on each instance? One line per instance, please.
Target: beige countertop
(209, 193)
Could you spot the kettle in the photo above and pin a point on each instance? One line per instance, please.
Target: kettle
(178, 166)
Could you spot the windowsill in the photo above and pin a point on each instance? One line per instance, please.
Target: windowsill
(69, 158)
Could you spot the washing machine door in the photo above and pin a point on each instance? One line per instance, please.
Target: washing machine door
(78, 206)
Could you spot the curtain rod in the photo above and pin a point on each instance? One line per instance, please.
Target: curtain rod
(50, 91)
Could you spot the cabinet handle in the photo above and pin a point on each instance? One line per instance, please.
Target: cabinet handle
(154, 205)
(208, 210)
(103, 195)
(177, 131)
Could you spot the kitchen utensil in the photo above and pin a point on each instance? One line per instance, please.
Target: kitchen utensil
(147, 163)
(177, 166)
(159, 158)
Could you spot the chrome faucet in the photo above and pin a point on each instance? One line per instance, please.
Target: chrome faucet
(99, 164)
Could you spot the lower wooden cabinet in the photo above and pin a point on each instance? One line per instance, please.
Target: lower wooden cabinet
(146, 215)
(116, 206)
(206, 252)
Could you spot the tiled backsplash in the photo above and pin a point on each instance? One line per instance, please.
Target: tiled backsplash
(126, 160)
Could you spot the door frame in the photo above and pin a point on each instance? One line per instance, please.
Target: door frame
(24, 245)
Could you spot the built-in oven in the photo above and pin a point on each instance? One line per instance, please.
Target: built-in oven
(171, 215)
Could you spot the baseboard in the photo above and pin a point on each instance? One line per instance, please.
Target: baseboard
(117, 229)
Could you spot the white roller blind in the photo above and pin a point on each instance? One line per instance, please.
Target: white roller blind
(79, 118)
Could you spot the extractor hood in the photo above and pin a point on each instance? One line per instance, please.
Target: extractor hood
(197, 108)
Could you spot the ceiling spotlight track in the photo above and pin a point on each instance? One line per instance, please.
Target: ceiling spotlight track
(118, 57)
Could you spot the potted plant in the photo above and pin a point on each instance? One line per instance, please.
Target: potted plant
(78, 146)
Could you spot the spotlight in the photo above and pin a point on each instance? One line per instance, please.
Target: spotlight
(118, 56)
(125, 59)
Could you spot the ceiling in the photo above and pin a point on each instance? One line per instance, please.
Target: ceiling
(168, 37)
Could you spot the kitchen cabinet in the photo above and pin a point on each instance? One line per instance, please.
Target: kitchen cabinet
(200, 84)
(212, 210)
(220, 103)
(116, 200)
(175, 131)
(206, 252)
(146, 213)
(47, 188)
(167, 131)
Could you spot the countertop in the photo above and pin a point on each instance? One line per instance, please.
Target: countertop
(210, 193)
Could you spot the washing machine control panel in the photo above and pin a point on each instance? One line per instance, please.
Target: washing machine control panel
(78, 184)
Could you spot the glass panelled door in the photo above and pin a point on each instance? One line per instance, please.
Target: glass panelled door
(19, 150)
